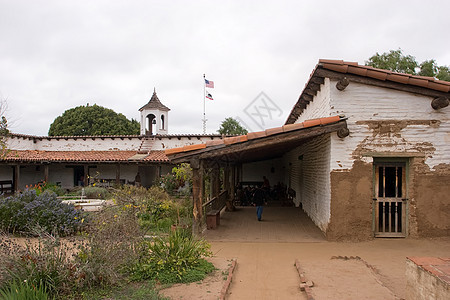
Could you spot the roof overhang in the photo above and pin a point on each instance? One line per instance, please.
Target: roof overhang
(353, 72)
(276, 143)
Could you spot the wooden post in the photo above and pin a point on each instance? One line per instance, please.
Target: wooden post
(46, 173)
(226, 179)
(233, 182)
(16, 177)
(86, 175)
(118, 174)
(197, 187)
(226, 184)
(215, 182)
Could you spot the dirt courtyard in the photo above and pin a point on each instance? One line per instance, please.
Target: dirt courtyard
(266, 252)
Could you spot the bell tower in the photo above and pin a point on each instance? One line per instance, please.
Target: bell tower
(154, 117)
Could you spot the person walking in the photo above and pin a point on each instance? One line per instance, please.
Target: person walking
(258, 201)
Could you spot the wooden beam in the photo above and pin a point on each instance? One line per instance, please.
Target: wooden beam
(342, 83)
(306, 98)
(439, 102)
(310, 92)
(314, 86)
(317, 79)
(343, 132)
(257, 145)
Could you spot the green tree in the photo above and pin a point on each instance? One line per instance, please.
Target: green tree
(92, 120)
(396, 61)
(231, 126)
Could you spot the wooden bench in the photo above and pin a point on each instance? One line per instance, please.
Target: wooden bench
(212, 219)
(6, 186)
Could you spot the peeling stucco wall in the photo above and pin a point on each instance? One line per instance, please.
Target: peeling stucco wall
(385, 123)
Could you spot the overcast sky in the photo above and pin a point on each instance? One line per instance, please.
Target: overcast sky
(56, 55)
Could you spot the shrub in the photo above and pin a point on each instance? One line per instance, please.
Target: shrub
(94, 192)
(23, 291)
(156, 211)
(110, 247)
(45, 265)
(179, 257)
(42, 187)
(23, 212)
(179, 180)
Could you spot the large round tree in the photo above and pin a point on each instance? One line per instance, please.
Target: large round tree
(92, 120)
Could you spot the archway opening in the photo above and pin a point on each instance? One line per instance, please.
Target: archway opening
(150, 128)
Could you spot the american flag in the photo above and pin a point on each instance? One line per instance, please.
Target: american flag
(209, 83)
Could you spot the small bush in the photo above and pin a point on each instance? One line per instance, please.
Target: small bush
(176, 258)
(23, 291)
(94, 192)
(110, 248)
(46, 265)
(23, 212)
(156, 210)
(42, 187)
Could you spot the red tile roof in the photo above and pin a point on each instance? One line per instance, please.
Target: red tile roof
(80, 156)
(383, 77)
(255, 135)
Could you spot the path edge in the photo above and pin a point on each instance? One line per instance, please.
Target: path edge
(227, 283)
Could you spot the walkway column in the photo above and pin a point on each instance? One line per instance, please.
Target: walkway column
(226, 179)
(215, 182)
(16, 177)
(46, 173)
(226, 184)
(118, 174)
(233, 182)
(86, 177)
(197, 195)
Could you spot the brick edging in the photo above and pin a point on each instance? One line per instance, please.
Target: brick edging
(304, 282)
(227, 283)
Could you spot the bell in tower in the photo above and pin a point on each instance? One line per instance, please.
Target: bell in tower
(154, 117)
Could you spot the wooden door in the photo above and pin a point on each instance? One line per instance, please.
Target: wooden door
(390, 200)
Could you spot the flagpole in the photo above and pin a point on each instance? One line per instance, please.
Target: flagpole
(204, 104)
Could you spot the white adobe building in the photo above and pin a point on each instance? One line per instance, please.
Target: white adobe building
(365, 152)
(74, 160)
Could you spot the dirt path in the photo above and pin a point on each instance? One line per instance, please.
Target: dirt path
(367, 270)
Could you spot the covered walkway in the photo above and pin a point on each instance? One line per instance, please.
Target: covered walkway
(279, 224)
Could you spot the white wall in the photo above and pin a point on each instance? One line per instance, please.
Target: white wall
(309, 175)
(320, 106)
(256, 170)
(103, 143)
(362, 103)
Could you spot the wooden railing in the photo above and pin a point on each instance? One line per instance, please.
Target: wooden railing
(216, 203)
